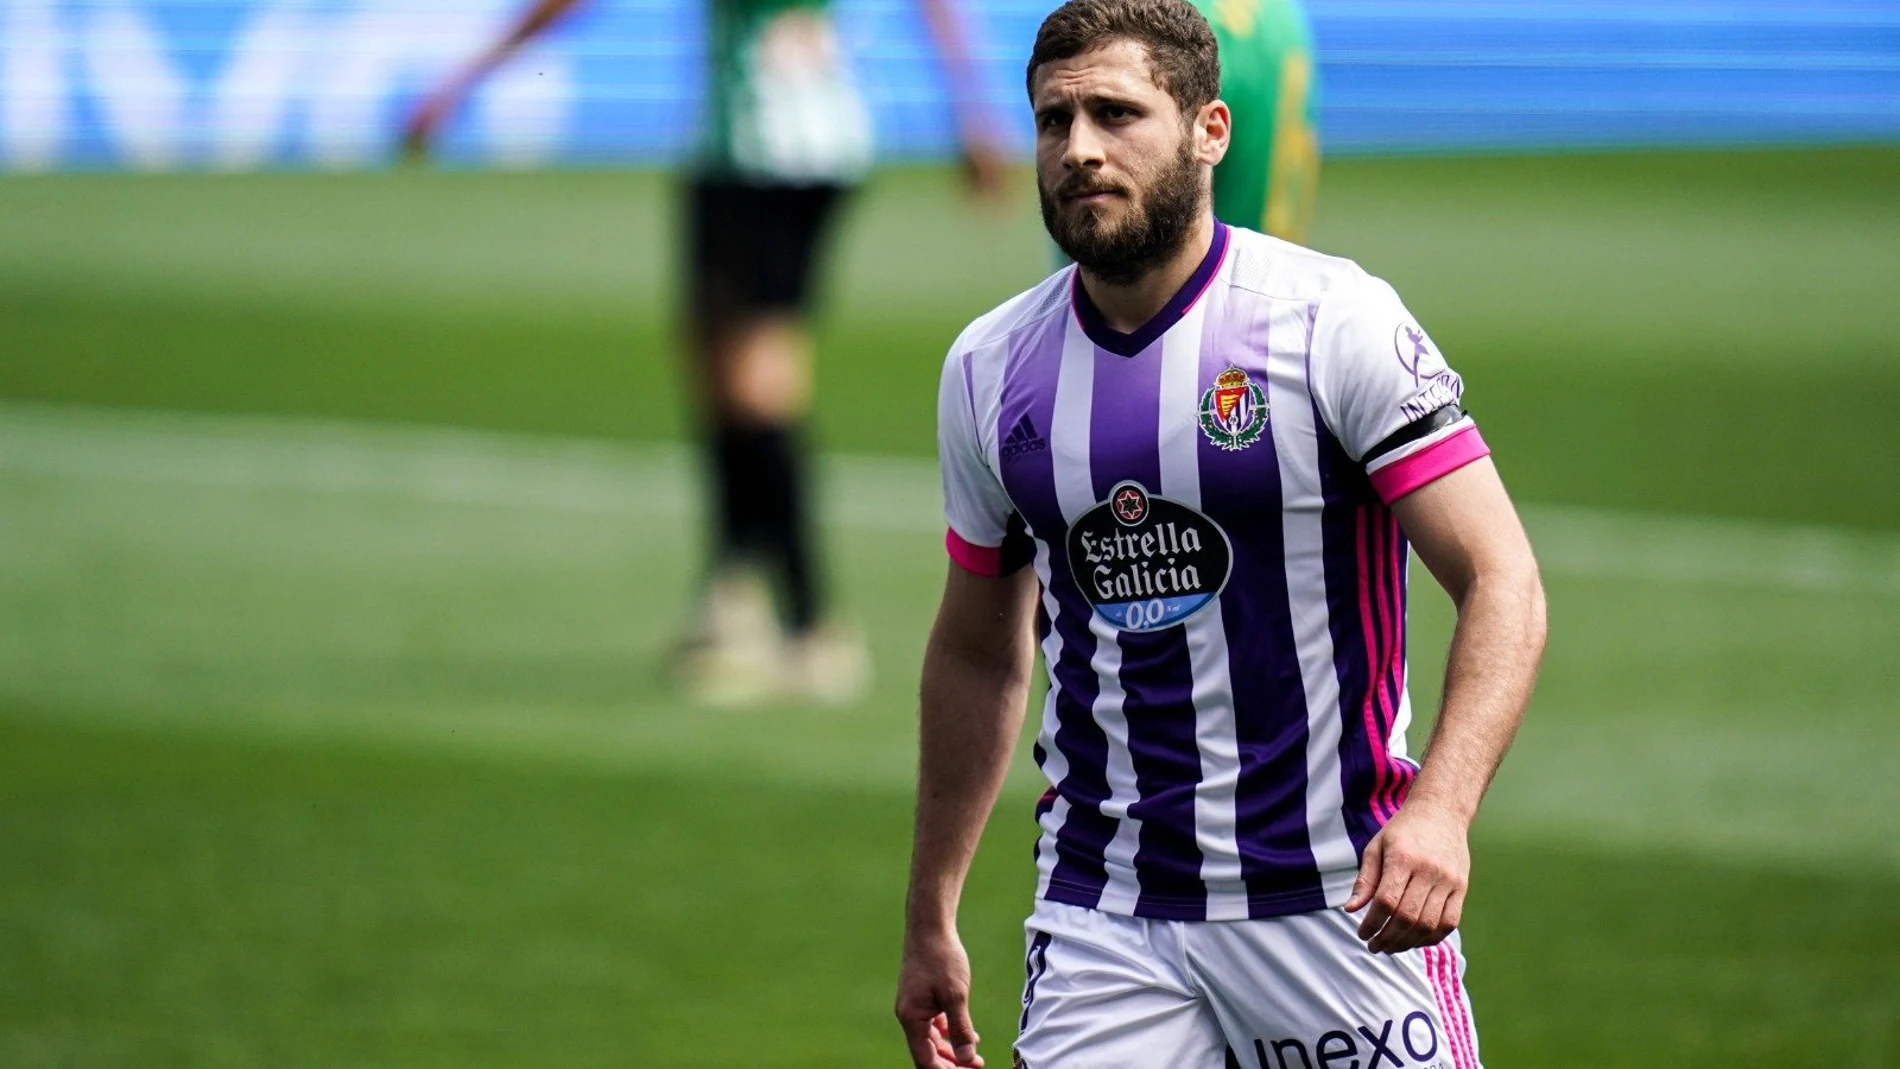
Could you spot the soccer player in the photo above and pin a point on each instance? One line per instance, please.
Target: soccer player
(1190, 467)
(786, 138)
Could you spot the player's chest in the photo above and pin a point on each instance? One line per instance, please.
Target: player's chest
(1195, 427)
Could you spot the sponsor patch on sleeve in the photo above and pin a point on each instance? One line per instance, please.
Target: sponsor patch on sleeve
(1440, 392)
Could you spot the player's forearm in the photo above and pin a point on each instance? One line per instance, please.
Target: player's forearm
(538, 17)
(972, 710)
(1492, 667)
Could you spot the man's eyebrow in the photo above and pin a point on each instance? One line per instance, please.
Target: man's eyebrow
(1095, 99)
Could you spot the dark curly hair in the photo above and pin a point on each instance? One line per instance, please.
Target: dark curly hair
(1183, 57)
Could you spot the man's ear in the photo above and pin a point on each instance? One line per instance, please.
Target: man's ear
(1213, 131)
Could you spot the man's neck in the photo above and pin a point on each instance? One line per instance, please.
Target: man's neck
(1127, 308)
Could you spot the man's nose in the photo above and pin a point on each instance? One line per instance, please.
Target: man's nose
(1085, 146)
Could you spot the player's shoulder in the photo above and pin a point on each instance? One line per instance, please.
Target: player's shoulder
(1020, 313)
(1272, 267)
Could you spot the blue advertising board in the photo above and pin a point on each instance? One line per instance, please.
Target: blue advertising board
(294, 83)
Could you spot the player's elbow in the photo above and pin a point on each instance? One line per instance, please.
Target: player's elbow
(1520, 593)
(1537, 616)
(997, 654)
(1510, 590)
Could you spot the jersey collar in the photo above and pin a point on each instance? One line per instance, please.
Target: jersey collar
(1120, 344)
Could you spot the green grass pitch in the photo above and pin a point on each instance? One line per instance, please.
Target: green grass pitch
(326, 742)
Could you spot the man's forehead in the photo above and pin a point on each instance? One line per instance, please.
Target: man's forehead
(1119, 67)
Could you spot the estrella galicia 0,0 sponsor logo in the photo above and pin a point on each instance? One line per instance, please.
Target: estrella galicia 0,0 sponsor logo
(1147, 563)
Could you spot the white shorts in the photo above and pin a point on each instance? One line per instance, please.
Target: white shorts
(1105, 991)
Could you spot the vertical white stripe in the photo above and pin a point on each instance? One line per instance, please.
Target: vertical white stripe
(1296, 441)
(1075, 493)
(1215, 814)
(1396, 743)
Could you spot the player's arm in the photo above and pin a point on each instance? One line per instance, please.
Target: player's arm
(1415, 873)
(1395, 406)
(975, 684)
(436, 108)
(983, 162)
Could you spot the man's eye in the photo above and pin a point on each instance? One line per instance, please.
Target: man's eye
(1050, 121)
(1116, 112)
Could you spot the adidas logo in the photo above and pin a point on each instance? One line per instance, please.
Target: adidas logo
(1022, 438)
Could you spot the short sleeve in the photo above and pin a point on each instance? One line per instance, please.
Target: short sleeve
(1386, 392)
(977, 511)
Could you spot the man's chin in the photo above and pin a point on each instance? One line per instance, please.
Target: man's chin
(1091, 227)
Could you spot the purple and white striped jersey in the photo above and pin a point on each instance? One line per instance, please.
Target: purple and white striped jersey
(1223, 585)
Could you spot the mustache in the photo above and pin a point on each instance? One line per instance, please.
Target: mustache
(1084, 186)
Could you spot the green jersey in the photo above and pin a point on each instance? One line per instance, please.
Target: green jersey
(781, 105)
(1271, 173)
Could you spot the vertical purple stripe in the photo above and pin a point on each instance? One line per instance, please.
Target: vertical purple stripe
(1029, 388)
(1269, 692)
(1345, 492)
(1167, 761)
(1399, 774)
(1124, 443)
(1080, 872)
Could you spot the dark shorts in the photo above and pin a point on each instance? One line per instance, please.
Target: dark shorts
(753, 246)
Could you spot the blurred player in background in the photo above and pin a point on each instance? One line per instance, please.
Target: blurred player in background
(786, 138)
(1270, 177)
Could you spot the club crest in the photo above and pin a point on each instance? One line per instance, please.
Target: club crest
(1233, 410)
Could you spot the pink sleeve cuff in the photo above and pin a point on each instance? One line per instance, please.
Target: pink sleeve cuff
(978, 560)
(1436, 461)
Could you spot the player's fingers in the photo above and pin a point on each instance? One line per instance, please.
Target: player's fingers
(963, 1037)
(1454, 910)
(940, 1035)
(1430, 928)
(919, 1037)
(1418, 898)
(1401, 930)
(1395, 873)
(1368, 878)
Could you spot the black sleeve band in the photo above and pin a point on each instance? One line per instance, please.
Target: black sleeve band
(1018, 548)
(1413, 431)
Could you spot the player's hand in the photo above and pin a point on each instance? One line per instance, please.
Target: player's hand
(933, 1003)
(1412, 881)
(418, 134)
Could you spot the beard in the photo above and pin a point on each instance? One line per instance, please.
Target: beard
(1153, 229)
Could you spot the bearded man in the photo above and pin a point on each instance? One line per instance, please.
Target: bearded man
(1190, 467)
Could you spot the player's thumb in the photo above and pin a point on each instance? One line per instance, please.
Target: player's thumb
(963, 1037)
(1368, 879)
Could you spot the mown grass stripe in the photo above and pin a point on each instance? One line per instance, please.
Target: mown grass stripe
(462, 467)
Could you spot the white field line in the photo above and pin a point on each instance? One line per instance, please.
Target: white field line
(271, 454)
